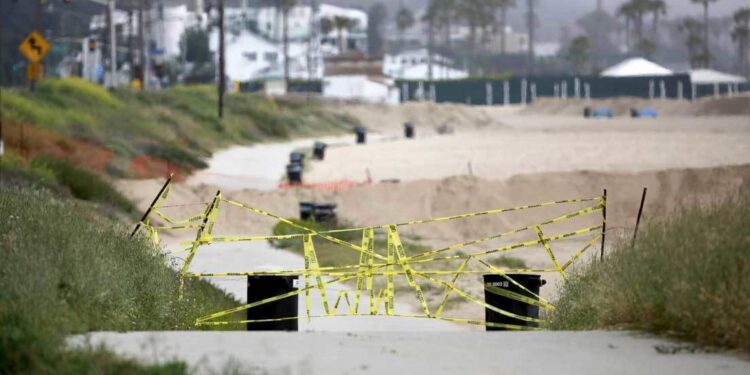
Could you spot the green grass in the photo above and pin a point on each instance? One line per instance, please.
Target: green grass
(179, 124)
(66, 269)
(63, 177)
(330, 253)
(688, 276)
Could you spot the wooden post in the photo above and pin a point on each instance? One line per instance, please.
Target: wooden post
(638, 219)
(222, 80)
(604, 223)
(151, 207)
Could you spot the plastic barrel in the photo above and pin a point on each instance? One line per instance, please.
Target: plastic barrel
(319, 150)
(492, 281)
(325, 212)
(409, 130)
(361, 134)
(294, 173)
(306, 210)
(297, 157)
(267, 286)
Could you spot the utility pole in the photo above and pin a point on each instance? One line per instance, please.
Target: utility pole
(531, 21)
(142, 43)
(222, 79)
(2, 78)
(37, 27)
(112, 45)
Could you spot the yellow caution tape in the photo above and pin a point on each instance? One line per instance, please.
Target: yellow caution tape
(373, 266)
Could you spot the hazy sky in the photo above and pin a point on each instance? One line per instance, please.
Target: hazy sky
(554, 14)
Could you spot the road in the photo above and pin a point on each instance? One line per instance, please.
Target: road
(433, 353)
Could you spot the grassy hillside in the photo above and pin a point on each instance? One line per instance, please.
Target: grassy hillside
(68, 269)
(136, 134)
(688, 276)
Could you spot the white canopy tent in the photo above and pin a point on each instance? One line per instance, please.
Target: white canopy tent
(710, 77)
(635, 67)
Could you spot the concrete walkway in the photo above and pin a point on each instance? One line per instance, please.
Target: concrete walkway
(433, 353)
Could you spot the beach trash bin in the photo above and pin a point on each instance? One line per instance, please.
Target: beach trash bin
(319, 150)
(325, 212)
(306, 210)
(633, 112)
(409, 130)
(294, 173)
(297, 157)
(361, 133)
(499, 292)
(261, 287)
(587, 112)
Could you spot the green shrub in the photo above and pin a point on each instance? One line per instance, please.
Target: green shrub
(83, 184)
(68, 270)
(688, 276)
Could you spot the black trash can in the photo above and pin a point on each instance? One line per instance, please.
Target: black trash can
(529, 281)
(409, 130)
(587, 112)
(297, 158)
(267, 286)
(294, 173)
(319, 150)
(361, 133)
(306, 210)
(325, 212)
(634, 112)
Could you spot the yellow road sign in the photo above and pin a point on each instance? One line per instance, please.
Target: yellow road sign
(35, 71)
(34, 47)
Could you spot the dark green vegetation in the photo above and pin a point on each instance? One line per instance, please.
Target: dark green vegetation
(179, 125)
(332, 254)
(63, 177)
(688, 276)
(67, 269)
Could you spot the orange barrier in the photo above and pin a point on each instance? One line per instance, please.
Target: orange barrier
(330, 186)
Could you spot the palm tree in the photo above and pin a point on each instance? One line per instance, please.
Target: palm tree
(531, 25)
(657, 8)
(692, 29)
(283, 7)
(578, 53)
(431, 15)
(504, 5)
(341, 23)
(634, 11)
(471, 11)
(705, 3)
(628, 12)
(741, 36)
(404, 20)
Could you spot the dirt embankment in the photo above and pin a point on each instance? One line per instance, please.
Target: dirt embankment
(395, 202)
(724, 106)
(383, 117)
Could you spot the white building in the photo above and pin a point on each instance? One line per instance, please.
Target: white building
(415, 65)
(252, 57)
(299, 22)
(515, 42)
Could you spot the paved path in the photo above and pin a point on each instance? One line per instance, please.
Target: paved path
(432, 353)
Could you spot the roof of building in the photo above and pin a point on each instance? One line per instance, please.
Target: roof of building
(710, 76)
(636, 66)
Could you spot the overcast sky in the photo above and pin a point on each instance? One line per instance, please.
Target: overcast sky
(554, 14)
